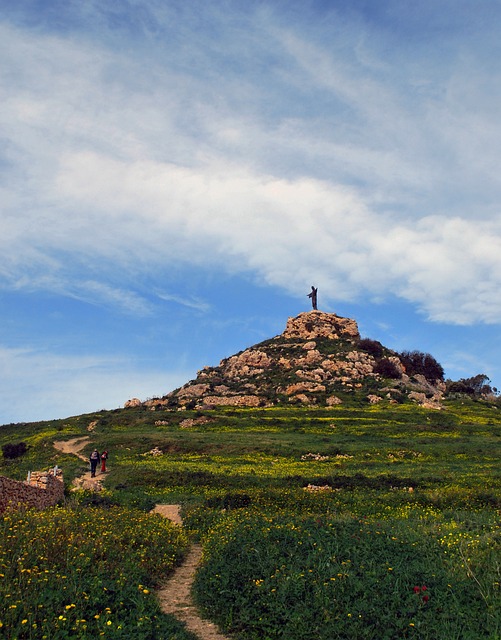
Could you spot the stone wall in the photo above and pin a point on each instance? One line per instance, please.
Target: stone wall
(44, 489)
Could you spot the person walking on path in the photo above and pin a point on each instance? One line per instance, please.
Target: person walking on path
(104, 457)
(94, 460)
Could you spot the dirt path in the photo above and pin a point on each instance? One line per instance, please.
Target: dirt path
(175, 597)
(74, 446)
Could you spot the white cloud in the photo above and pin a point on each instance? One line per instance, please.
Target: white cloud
(190, 302)
(121, 164)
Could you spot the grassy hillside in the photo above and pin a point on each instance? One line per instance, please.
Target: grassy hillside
(316, 523)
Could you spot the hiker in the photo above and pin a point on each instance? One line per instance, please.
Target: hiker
(94, 459)
(104, 457)
(313, 296)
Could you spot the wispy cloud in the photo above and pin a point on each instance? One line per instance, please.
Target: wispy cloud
(190, 302)
(329, 163)
(356, 148)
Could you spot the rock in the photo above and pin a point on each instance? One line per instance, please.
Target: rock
(314, 456)
(193, 391)
(155, 452)
(314, 487)
(234, 401)
(317, 324)
(302, 398)
(194, 422)
(221, 389)
(301, 387)
(427, 403)
(133, 402)
(250, 362)
(315, 374)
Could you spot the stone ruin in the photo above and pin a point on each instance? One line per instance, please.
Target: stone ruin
(42, 489)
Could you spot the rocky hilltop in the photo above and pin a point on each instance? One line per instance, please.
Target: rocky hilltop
(319, 359)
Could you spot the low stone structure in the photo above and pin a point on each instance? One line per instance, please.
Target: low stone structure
(43, 489)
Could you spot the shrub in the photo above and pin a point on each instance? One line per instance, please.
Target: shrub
(387, 369)
(11, 451)
(372, 347)
(85, 573)
(319, 577)
(419, 363)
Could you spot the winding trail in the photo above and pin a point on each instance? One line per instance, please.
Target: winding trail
(74, 446)
(175, 597)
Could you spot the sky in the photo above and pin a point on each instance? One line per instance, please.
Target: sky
(175, 175)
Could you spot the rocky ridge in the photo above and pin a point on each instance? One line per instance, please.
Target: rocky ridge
(317, 360)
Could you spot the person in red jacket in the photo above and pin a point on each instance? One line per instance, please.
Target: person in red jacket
(104, 457)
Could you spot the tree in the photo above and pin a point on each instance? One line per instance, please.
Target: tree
(476, 386)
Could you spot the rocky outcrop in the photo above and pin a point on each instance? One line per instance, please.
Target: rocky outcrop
(194, 391)
(428, 403)
(303, 387)
(317, 360)
(133, 402)
(317, 324)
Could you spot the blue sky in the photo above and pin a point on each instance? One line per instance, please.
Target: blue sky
(176, 174)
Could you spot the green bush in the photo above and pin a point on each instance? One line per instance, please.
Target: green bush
(373, 347)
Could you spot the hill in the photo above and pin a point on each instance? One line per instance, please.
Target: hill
(322, 513)
(319, 360)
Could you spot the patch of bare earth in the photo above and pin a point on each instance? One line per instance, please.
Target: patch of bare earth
(75, 445)
(175, 597)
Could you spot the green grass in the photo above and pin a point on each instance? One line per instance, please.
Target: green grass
(84, 572)
(300, 575)
(411, 499)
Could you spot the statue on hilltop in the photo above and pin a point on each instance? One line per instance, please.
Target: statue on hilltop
(313, 296)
